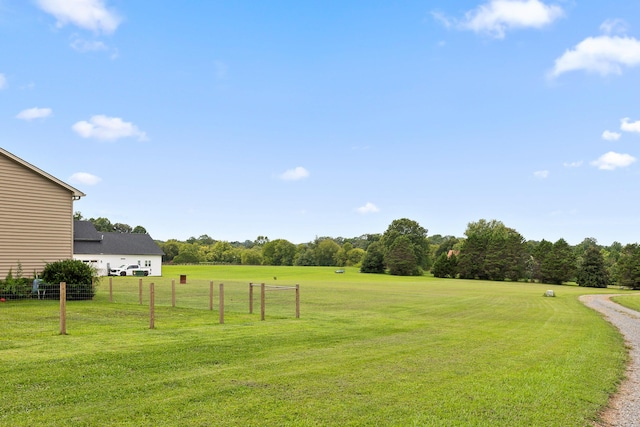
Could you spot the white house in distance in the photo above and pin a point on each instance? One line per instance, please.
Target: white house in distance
(104, 251)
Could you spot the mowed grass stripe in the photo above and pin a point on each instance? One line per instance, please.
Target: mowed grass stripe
(368, 350)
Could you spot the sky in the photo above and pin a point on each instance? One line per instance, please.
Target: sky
(293, 120)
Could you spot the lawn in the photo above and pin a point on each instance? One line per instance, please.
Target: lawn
(368, 350)
(630, 301)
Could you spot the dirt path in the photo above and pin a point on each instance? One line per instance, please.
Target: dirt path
(624, 406)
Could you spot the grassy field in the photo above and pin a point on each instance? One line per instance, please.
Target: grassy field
(631, 301)
(368, 350)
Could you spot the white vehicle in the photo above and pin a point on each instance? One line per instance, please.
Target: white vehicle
(129, 270)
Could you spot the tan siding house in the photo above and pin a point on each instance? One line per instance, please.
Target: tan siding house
(36, 216)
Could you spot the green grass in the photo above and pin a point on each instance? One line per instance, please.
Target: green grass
(630, 301)
(368, 350)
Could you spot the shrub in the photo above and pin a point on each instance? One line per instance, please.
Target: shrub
(78, 276)
(15, 287)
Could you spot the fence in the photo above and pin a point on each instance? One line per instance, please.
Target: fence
(163, 296)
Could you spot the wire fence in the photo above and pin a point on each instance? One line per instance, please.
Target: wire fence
(161, 298)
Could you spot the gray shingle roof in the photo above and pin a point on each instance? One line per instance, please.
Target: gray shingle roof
(87, 240)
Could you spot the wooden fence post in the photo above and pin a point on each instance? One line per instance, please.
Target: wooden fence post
(262, 298)
(211, 295)
(250, 298)
(140, 291)
(297, 301)
(110, 289)
(152, 301)
(173, 292)
(221, 303)
(63, 308)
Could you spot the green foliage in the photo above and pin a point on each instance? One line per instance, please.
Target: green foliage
(325, 252)
(102, 224)
(78, 276)
(373, 261)
(139, 230)
(15, 287)
(401, 259)
(558, 265)
(592, 272)
(445, 266)
(414, 246)
(171, 249)
(305, 256)
(492, 251)
(251, 256)
(628, 267)
(188, 254)
(278, 252)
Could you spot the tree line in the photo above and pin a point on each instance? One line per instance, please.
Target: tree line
(489, 250)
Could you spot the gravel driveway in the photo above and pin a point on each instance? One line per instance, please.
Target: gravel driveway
(624, 406)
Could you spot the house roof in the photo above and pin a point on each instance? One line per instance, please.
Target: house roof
(76, 193)
(87, 240)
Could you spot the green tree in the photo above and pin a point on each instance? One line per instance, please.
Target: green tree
(471, 258)
(341, 257)
(445, 266)
(251, 256)
(628, 267)
(559, 265)
(373, 261)
(492, 251)
(188, 254)
(122, 228)
(416, 236)
(278, 252)
(592, 271)
(139, 230)
(305, 255)
(401, 259)
(355, 256)
(326, 251)
(102, 224)
(539, 253)
(170, 248)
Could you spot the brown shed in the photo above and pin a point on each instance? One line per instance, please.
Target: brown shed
(36, 216)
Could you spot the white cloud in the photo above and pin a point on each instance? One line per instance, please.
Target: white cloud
(611, 26)
(603, 55)
(3, 81)
(541, 174)
(108, 128)
(84, 178)
(608, 135)
(628, 126)
(82, 45)
(496, 17)
(368, 208)
(612, 160)
(34, 113)
(295, 174)
(88, 14)
(576, 164)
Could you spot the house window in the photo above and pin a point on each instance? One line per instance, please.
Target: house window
(147, 263)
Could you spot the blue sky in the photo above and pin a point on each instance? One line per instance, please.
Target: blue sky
(331, 118)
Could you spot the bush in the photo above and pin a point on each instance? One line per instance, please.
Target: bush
(78, 276)
(15, 287)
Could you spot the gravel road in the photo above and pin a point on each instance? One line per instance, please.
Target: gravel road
(624, 406)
